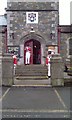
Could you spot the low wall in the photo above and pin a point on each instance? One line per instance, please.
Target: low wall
(7, 70)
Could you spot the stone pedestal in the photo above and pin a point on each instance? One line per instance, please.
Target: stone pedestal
(57, 68)
(7, 70)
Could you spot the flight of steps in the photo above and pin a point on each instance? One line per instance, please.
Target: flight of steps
(31, 75)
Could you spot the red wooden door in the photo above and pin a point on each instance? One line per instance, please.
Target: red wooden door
(35, 57)
(36, 52)
(30, 43)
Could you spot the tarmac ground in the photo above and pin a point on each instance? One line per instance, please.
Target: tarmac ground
(36, 102)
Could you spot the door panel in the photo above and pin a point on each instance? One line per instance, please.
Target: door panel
(36, 52)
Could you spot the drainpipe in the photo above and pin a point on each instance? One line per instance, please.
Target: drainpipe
(6, 38)
(59, 32)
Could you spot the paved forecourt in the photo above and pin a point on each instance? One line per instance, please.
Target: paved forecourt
(42, 102)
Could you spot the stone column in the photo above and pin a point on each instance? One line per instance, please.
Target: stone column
(22, 54)
(7, 70)
(57, 68)
(43, 54)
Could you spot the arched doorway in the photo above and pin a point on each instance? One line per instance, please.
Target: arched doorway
(35, 51)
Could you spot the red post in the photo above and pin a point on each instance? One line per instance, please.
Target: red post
(6, 38)
(59, 31)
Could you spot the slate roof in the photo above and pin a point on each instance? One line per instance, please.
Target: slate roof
(65, 28)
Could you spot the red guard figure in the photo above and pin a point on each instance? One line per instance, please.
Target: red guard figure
(28, 54)
(14, 60)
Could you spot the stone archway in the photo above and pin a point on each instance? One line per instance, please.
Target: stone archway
(36, 39)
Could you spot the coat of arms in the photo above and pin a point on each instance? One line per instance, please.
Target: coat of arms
(32, 17)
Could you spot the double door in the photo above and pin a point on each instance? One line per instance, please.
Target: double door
(35, 57)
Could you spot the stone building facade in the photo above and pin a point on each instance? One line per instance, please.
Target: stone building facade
(65, 37)
(33, 23)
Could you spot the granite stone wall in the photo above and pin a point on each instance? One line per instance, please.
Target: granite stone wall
(64, 45)
(48, 13)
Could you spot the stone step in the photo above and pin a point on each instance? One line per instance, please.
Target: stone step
(30, 74)
(32, 82)
(35, 70)
(30, 68)
(31, 77)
